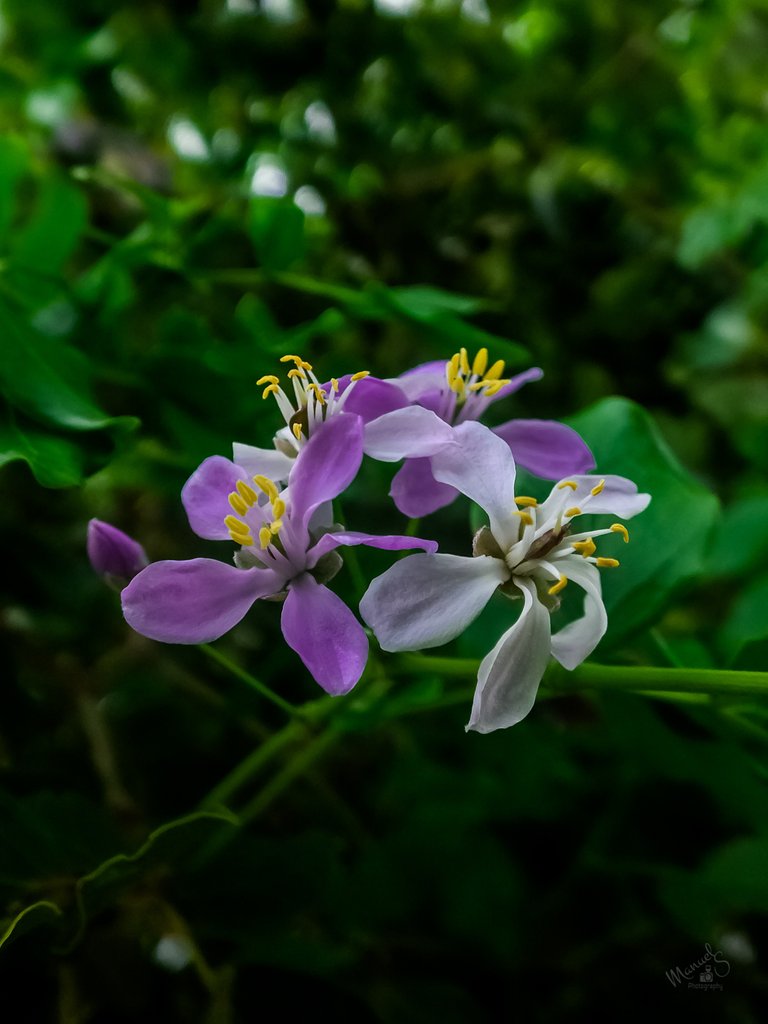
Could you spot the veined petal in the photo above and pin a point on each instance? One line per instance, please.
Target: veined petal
(510, 674)
(205, 496)
(406, 433)
(267, 462)
(325, 634)
(349, 538)
(193, 602)
(421, 379)
(371, 397)
(326, 466)
(515, 383)
(480, 465)
(415, 491)
(427, 600)
(618, 497)
(547, 448)
(576, 641)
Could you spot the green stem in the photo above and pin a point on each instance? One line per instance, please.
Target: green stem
(252, 681)
(252, 764)
(614, 677)
(297, 766)
(670, 680)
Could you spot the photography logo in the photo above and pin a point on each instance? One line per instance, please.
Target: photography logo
(705, 974)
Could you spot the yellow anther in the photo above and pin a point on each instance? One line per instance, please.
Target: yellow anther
(458, 385)
(464, 361)
(268, 378)
(296, 428)
(278, 508)
(238, 504)
(621, 528)
(575, 511)
(452, 368)
(357, 376)
(526, 502)
(495, 371)
(568, 483)
(598, 488)
(495, 387)
(241, 538)
(296, 372)
(335, 385)
(584, 547)
(265, 537)
(266, 485)
(305, 365)
(480, 363)
(292, 359)
(607, 563)
(526, 517)
(276, 526)
(560, 585)
(235, 525)
(246, 493)
(270, 389)
(318, 391)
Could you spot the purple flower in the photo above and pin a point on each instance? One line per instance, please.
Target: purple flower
(308, 407)
(528, 550)
(286, 550)
(115, 556)
(441, 396)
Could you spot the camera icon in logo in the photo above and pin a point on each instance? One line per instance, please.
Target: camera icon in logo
(707, 976)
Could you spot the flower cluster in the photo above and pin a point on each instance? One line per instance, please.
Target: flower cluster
(276, 505)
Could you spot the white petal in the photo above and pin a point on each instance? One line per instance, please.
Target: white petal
(480, 465)
(619, 496)
(576, 641)
(262, 461)
(426, 600)
(407, 433)
(510, 674)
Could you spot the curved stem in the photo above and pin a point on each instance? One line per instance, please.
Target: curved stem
(255, 684)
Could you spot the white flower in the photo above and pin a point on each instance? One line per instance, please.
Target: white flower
(529, 550)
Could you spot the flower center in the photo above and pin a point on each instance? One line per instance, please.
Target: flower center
(468, 386)
(545, 537)
(251, 511)
(312, 402)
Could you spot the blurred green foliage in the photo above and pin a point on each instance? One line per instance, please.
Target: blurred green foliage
(188, 191)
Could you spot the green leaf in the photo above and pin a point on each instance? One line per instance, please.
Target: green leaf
(47, 378)
(54, 461)
(422, 302)
(670, 539)
(276, 227)
(53, 231)
(13, 160)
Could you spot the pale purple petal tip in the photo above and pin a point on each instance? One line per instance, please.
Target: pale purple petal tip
(205, 496)
(407, 433)
(415, 491)
(547, 448)
(349, 538)
(325, 635)
(115, 556)
(193, 602)
(371, 397)
(327, 465)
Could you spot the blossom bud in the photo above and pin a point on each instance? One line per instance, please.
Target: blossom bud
(115, 556)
